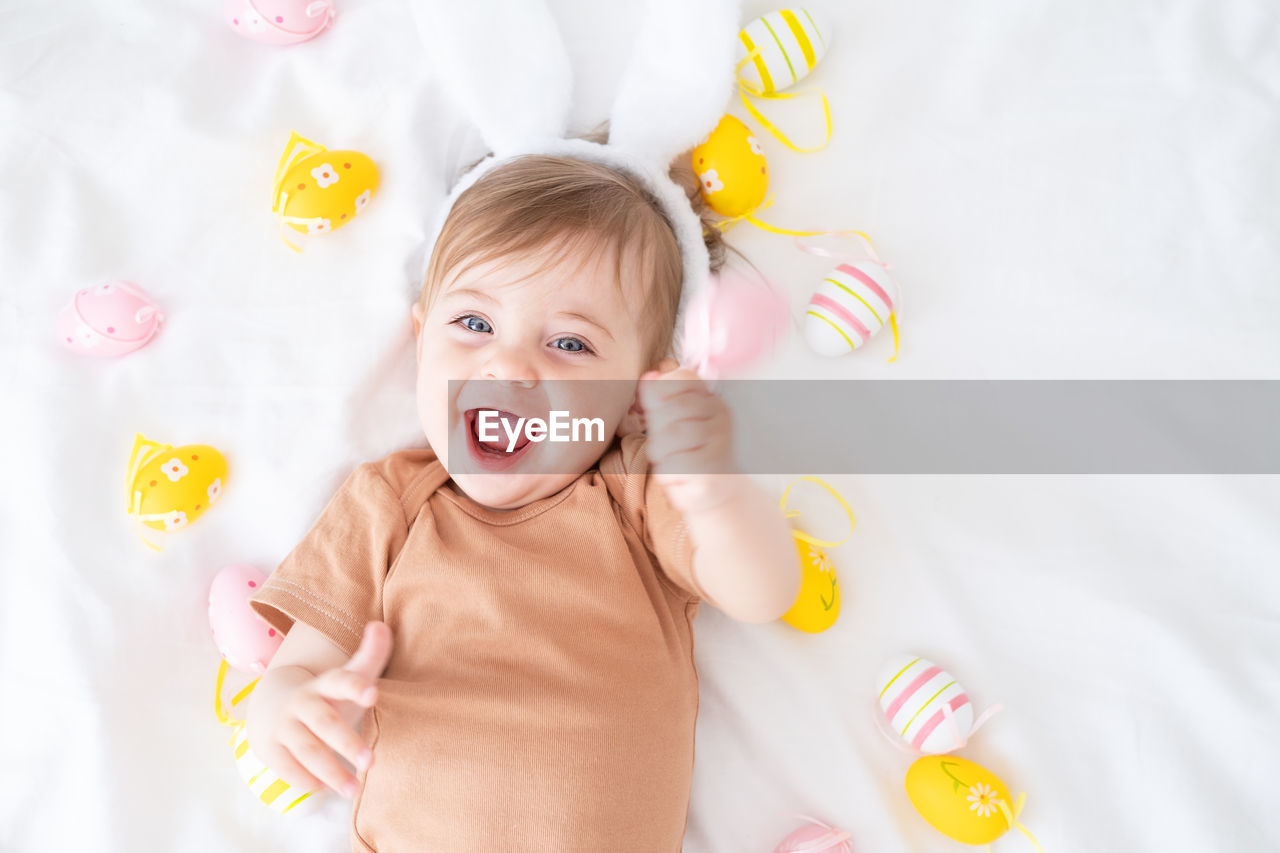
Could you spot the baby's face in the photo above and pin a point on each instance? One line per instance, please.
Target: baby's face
(512, 338)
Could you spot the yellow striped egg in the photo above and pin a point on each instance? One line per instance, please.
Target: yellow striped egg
(818, 604)
(170, 487)
(962, 800)
(850, 305)
(272, 791)
(788, 44)
(913, 693)
(317, 190)
(731, 169)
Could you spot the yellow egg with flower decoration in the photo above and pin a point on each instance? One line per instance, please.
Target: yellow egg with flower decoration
(961, 799)
(170, 487)
(732, 173)
(317, 190)
(818, 604)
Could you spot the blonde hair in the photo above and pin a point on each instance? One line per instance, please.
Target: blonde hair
(537, 203)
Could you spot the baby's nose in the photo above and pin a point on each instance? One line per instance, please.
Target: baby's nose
(511, 364)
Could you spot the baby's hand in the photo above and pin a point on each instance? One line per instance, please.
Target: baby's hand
(690, 438)
(299, 729)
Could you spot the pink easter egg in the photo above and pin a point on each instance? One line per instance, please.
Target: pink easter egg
(817, 838)
(278, 21)
(247, 642)
(111, 319)
(732, 324)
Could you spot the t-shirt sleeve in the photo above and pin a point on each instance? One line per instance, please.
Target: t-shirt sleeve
(644, 504)
(333, 579)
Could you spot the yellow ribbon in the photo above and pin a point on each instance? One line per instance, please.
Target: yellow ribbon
(144, 451)
(1011, 817)
(748, 88)
(805, 537)
(297, 148)
(725, 224)
(223, 715)
(282, 221)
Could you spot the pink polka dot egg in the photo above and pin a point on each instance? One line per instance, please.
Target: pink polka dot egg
(245, 641)
(815, 838)
(111, 319)
(278, 21)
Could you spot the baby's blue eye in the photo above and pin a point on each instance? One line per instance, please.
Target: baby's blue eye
(570, 345)
(475, 324)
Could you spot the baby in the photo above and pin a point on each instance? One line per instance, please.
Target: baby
(510, 622)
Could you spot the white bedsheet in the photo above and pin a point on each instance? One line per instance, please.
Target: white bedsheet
(1066, 190)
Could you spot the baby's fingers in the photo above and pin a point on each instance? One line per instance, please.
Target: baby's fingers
(283, 764)
(318, 760)
(344, 685)
(686, 407)
(325, 723)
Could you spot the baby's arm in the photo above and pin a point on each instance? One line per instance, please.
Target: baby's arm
(744, 558)
(303, 712)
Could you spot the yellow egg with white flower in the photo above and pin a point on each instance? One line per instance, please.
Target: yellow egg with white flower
(170, 487)
(818, 604)
(732, 173)
(317, 190)
(961, 799)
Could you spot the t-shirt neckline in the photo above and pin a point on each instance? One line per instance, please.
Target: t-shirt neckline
(454, 494)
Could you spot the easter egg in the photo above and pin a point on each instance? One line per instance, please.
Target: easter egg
(272, 791)
(790, 43)
(913, 692)
(818, 604)
(817, 838)
(959, 798)
(170, 487)
(317, 190)
(731, 324)
(244, 640)
(278, 21)
(853, 303)
(731, 169)
(111, 319)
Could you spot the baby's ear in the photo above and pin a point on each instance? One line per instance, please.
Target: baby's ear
(417, 318)
(633, 420)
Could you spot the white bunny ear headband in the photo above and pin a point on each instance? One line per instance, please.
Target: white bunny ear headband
(504, 63)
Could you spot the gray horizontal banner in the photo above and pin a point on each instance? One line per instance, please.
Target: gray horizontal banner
(980, 426)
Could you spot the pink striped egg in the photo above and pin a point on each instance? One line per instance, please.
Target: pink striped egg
(849, 307)
(913, 691)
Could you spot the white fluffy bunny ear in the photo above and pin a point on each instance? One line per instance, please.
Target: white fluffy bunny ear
(678, 80)
(504, 63)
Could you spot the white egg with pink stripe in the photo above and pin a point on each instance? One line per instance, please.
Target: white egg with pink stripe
(914, 696)
(853, 303)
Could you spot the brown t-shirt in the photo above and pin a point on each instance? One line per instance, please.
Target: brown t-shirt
(541, 693)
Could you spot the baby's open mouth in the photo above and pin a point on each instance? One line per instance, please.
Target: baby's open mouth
(504, 438)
